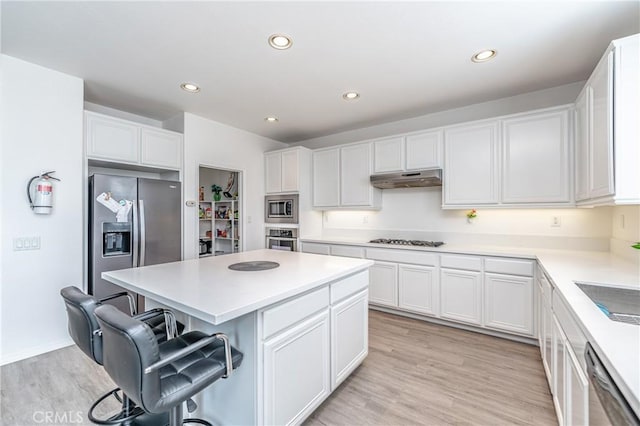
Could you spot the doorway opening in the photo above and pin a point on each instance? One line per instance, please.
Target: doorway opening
(220, 211)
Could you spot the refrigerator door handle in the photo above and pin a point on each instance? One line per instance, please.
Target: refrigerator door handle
(142, 234)
(135, 233)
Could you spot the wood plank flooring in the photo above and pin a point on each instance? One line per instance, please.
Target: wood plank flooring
(416, 373)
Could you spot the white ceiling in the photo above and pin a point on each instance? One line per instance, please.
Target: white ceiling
(405, 58)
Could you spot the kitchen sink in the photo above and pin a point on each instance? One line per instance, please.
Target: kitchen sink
(619, 304)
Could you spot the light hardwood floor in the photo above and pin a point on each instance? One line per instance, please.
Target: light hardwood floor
(416, 373)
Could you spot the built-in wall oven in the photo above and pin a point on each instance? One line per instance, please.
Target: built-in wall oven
(282, 239)
(281, 208)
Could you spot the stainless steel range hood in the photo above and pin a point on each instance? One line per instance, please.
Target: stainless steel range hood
(418, 178)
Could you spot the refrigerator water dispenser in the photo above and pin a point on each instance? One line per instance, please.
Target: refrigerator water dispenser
(116, 239)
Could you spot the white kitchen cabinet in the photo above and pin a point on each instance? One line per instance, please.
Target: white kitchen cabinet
(282, 171)
(297, 371)
(121, 141)
(509, 303)
(576, 389)
(388, 155)
(315, 248)
(418, 289)
(383, 284)
(601, 158)
(355, 170)
(607, 127)
(341, 178)
(349, 336)
(326, 178)
(424, 150)
(461, 295)
(558, 371)
(414, 151)
(582, 141)
(471, 166)
(547, 355)
(535, 155)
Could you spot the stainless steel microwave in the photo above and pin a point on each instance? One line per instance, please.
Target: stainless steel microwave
(281, 208)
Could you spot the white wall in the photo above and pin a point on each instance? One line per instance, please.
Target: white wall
(416, 213)
(41, 114)
(520, 103)
(625, 224)
(216, 145)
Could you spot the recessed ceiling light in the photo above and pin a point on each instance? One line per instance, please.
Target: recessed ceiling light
(271, 119)
(349, 96)
(484, 55)
(190, 87)
(280, 41)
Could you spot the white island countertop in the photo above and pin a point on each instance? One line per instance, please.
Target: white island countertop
(207, 289)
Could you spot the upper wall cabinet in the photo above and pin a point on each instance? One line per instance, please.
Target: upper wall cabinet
(516, 161)
(535, 153)
(410, 152)
(341, 178)
(607, 129)
(282, 171)
(120, 141)
(471, 164)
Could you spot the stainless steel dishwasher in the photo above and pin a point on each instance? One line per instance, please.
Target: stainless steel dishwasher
(607, 405)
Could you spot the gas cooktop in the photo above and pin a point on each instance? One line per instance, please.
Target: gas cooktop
(419, 243)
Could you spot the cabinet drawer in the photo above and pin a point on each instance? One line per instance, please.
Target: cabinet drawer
(315, 248)
(574, 334)
(403, 256)
(509, 266)
(282, 316)
(470, 263)
(347, 251)
(349, 286)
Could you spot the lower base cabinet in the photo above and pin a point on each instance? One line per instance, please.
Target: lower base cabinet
(383, 284)
(577, 392)
(297, 371)
(558, 371)
(349, 336)
(418, 289)
(509, 303)
(461, 295)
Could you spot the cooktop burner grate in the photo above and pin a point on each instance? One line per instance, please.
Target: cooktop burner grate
(400, 242)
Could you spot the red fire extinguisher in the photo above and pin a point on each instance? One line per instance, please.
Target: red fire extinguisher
(42, 201)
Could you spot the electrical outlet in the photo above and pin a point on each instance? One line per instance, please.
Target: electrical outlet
(365, 219)
(621, 221)
(555, 222)
(248, 219)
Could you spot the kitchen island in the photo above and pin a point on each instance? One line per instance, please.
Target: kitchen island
(302, 326)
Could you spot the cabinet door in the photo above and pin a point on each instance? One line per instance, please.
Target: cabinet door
(112, 139)
(388, 155)
(509, 303)
(577, 391)
(601, 151)
(583, 137)
(471, 165)
(273, 172)
(547, 357)
(424, 150)
(297, 371)
(536, 158)
(558, 371)
(161, 148)
(383, 284)
(349, 336)
(290, 171)
(326, 178)
(355, 170)
(418, 289)
(461, 295)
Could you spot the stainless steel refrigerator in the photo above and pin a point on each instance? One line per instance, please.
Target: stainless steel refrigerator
(133, 222)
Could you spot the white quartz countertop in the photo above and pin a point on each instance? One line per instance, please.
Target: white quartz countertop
(207, 289)
(617, 344)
